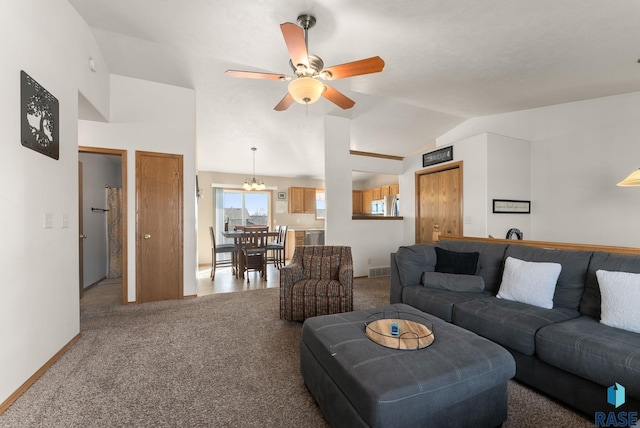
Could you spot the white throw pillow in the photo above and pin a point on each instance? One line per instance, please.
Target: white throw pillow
(529, 282)
(620, 297)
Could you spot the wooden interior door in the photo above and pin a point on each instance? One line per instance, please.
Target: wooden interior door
(159, 227)
(439, 201)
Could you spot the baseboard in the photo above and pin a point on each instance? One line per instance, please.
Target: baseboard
(25, 386)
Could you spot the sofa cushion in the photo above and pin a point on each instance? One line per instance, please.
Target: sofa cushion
(590, 303)
(620, 293)
(437, 302)
(586, 348)
(571, 282)
(453, 282)
(529, 282)
(456, 262)
(490, 261)
(511, 324)
(412, 260)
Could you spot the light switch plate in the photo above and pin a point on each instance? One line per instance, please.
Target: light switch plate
(65, 220)
(48, 220)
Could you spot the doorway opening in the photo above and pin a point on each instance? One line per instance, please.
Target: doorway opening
(106, 206)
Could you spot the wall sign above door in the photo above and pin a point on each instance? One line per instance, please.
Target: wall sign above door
(39, 113)
(437, 156)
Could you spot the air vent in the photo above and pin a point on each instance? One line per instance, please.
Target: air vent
(379, 271)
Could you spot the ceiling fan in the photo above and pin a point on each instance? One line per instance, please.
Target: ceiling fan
(306, 87)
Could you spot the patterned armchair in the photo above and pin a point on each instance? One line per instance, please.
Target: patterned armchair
(318, 281)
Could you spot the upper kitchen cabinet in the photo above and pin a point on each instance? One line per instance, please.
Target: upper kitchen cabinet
(302, 200)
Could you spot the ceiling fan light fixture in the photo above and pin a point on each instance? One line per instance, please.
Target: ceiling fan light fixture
(306, 90)
(632, 180)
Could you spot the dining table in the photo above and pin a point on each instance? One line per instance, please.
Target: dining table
(236, 235)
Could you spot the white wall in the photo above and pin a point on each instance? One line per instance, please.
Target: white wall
(148, 116)
(508, 177)
(371, 241)
(97, 172)
(579, 151)
(39, 291)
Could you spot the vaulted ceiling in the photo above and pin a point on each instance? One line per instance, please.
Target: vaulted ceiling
(446, 61)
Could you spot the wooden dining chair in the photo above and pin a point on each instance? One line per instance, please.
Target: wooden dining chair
(220, 249)
(253, 248)
(277, 247)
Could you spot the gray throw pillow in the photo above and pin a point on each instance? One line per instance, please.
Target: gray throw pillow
(453, 282)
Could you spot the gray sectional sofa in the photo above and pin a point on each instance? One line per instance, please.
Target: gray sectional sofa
(563, 351)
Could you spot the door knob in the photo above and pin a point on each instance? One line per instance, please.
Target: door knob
(83, 236)
(147, 236)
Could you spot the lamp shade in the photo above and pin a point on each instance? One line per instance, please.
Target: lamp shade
(306, 90)
(632, 180)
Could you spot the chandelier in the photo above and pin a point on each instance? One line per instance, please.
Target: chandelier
(251, 183)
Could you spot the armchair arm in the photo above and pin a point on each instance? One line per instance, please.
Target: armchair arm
(291, 274)
(345, 274)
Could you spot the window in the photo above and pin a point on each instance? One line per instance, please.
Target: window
(245, 208)
(321, 206)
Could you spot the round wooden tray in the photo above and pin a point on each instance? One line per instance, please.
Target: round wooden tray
(413, 335)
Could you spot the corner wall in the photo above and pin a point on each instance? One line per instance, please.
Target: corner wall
(371, 241)
(39, 292)
(149, 116)
(579, 151)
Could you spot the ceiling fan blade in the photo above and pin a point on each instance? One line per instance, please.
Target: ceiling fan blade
(338, 98)
(256, 75)
(374, 64)
(284, 103)
(294, 38)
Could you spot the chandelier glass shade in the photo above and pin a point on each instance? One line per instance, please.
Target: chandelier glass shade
(306, 90)
(253, 183)
(632, 180)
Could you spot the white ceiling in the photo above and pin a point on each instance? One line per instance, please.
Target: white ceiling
(445, 61)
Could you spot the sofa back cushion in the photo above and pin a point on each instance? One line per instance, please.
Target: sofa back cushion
(590, 303)
(490, 262)
(413, 260)
(456, 262)
(571, 282)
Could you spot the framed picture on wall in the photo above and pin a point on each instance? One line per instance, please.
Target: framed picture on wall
(511, 206)
(39, 120)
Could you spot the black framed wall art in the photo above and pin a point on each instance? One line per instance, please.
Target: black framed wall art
(511, 206)
(437, 156)
(39, 113)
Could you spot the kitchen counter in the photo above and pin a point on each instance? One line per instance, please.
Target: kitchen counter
(375, 217)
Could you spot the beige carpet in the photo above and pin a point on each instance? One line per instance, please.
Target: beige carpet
(224, 360)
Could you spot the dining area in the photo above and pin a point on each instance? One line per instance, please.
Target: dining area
(251, 248)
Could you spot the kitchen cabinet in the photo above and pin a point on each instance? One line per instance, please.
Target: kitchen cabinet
(302, 200)
(394, 189)
(357, 201)
(367, 197)
(377, 193)
(299, 234)
(384, 191)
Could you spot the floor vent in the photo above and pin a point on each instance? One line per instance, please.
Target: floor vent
(379, 271)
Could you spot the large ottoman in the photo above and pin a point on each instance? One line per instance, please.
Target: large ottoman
(459, 380)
